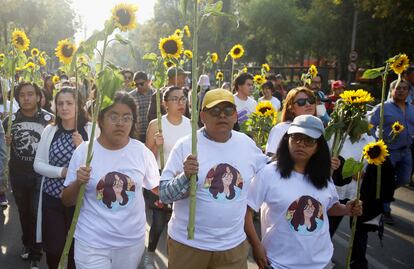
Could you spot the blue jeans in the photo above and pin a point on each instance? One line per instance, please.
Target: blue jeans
(402, 162)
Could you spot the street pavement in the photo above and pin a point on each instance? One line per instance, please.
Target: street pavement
(397, 251)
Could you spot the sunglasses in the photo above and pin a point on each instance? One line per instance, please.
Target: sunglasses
(216, 111)
(298, 138)
(302, 101)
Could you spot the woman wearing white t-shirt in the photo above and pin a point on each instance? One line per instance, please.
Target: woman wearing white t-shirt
(299, 101)
(267, 90)
(110, 232)
(174, 126)
(295, 195)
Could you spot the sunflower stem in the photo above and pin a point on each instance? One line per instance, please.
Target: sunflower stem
(79, 201)
(231, 75)
(160, 147)
(194, 114)
(76, 97)
(354, 220)
(381, 125)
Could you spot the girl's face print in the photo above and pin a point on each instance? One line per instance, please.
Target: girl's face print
(227, 177)
(309, 209)
(118, 186)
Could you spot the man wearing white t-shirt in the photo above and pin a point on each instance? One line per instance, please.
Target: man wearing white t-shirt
(226, 163)
(245, 105)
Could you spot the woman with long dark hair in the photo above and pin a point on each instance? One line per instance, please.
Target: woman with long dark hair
(110, 232)
(295, 195)
(56, 146)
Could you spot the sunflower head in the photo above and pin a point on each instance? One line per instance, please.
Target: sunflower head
(313, 71)
(236, 51)
(30, 65)
(81, 60)
(188, 54)
(244, 70)
(43, 54)
(187, 31)
(259, 79)
(42, 61)
(35, 52)
(2, 57)
(375, 152)
(397, 127)
(123, 16)
(55, 79)
(20, 40)
(214, 57)
(265, 109)
(400, 64)
(65, 51)
(357, 97)
(168, 64)
(266, 67)
(171, 46)
(219, 76)
(178, 32)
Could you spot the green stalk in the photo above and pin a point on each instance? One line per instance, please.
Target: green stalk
(354, 221)
(161, 147)
(79, 201)
(76, 97)
(194, 116)
(232, 71)
(380, 134)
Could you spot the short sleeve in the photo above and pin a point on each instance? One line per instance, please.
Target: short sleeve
(174, 164)
(258, 189)
(152, 176)
(275, 136)
(334, 194)
(75, 162)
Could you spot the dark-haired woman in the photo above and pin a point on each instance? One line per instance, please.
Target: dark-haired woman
(174, 126)
(295, 195)
(110, 231)
(299, 101)
(56, 147)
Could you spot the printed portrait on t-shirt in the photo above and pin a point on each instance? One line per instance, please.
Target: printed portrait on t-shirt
(115, 191)
(305, 215)
(224, 182)
(26, 137)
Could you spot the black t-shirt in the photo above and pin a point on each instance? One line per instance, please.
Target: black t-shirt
(26, 133)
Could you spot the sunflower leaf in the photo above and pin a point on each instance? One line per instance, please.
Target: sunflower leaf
(108, 82)
(373, 73)
(351, 167)
(150, 56)
(121, 39)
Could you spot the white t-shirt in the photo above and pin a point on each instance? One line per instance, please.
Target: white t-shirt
(172, 133)
(14, 108)
(276, 135)
(113, 211)
(275, 102)
(293, 239)
(225, 172)
(350, 150)
(244, 108)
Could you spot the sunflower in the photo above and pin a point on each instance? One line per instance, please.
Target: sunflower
(187, 31)
(65, 51)
(397, 127)
(375, 152)
(171, 46)
(35, 52)
(55, 79)
(188, 54)
(20, 40)
(2, 57)
(42, 61)
(259, 79)
(266, 67)
(244, 70)
(356, 97)
(177, 32)
(214, 57)
(219, 76)
(82, 60)
(400, 64)
(265, 109)
(43, 54)
(30, 65)
(236, 51)
(123, 16)
(313, 71)
(168, 64)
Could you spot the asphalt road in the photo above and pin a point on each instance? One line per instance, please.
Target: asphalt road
(397, 250)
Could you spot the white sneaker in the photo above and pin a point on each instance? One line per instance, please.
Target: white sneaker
(149, 260)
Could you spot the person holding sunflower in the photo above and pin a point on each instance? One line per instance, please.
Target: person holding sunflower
(398, 137)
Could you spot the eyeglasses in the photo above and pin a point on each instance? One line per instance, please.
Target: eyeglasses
(302, 101)
(116, 119)
(177, 99)
(216, 111)
(308, 141)
(141, 84)
(127, 77)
